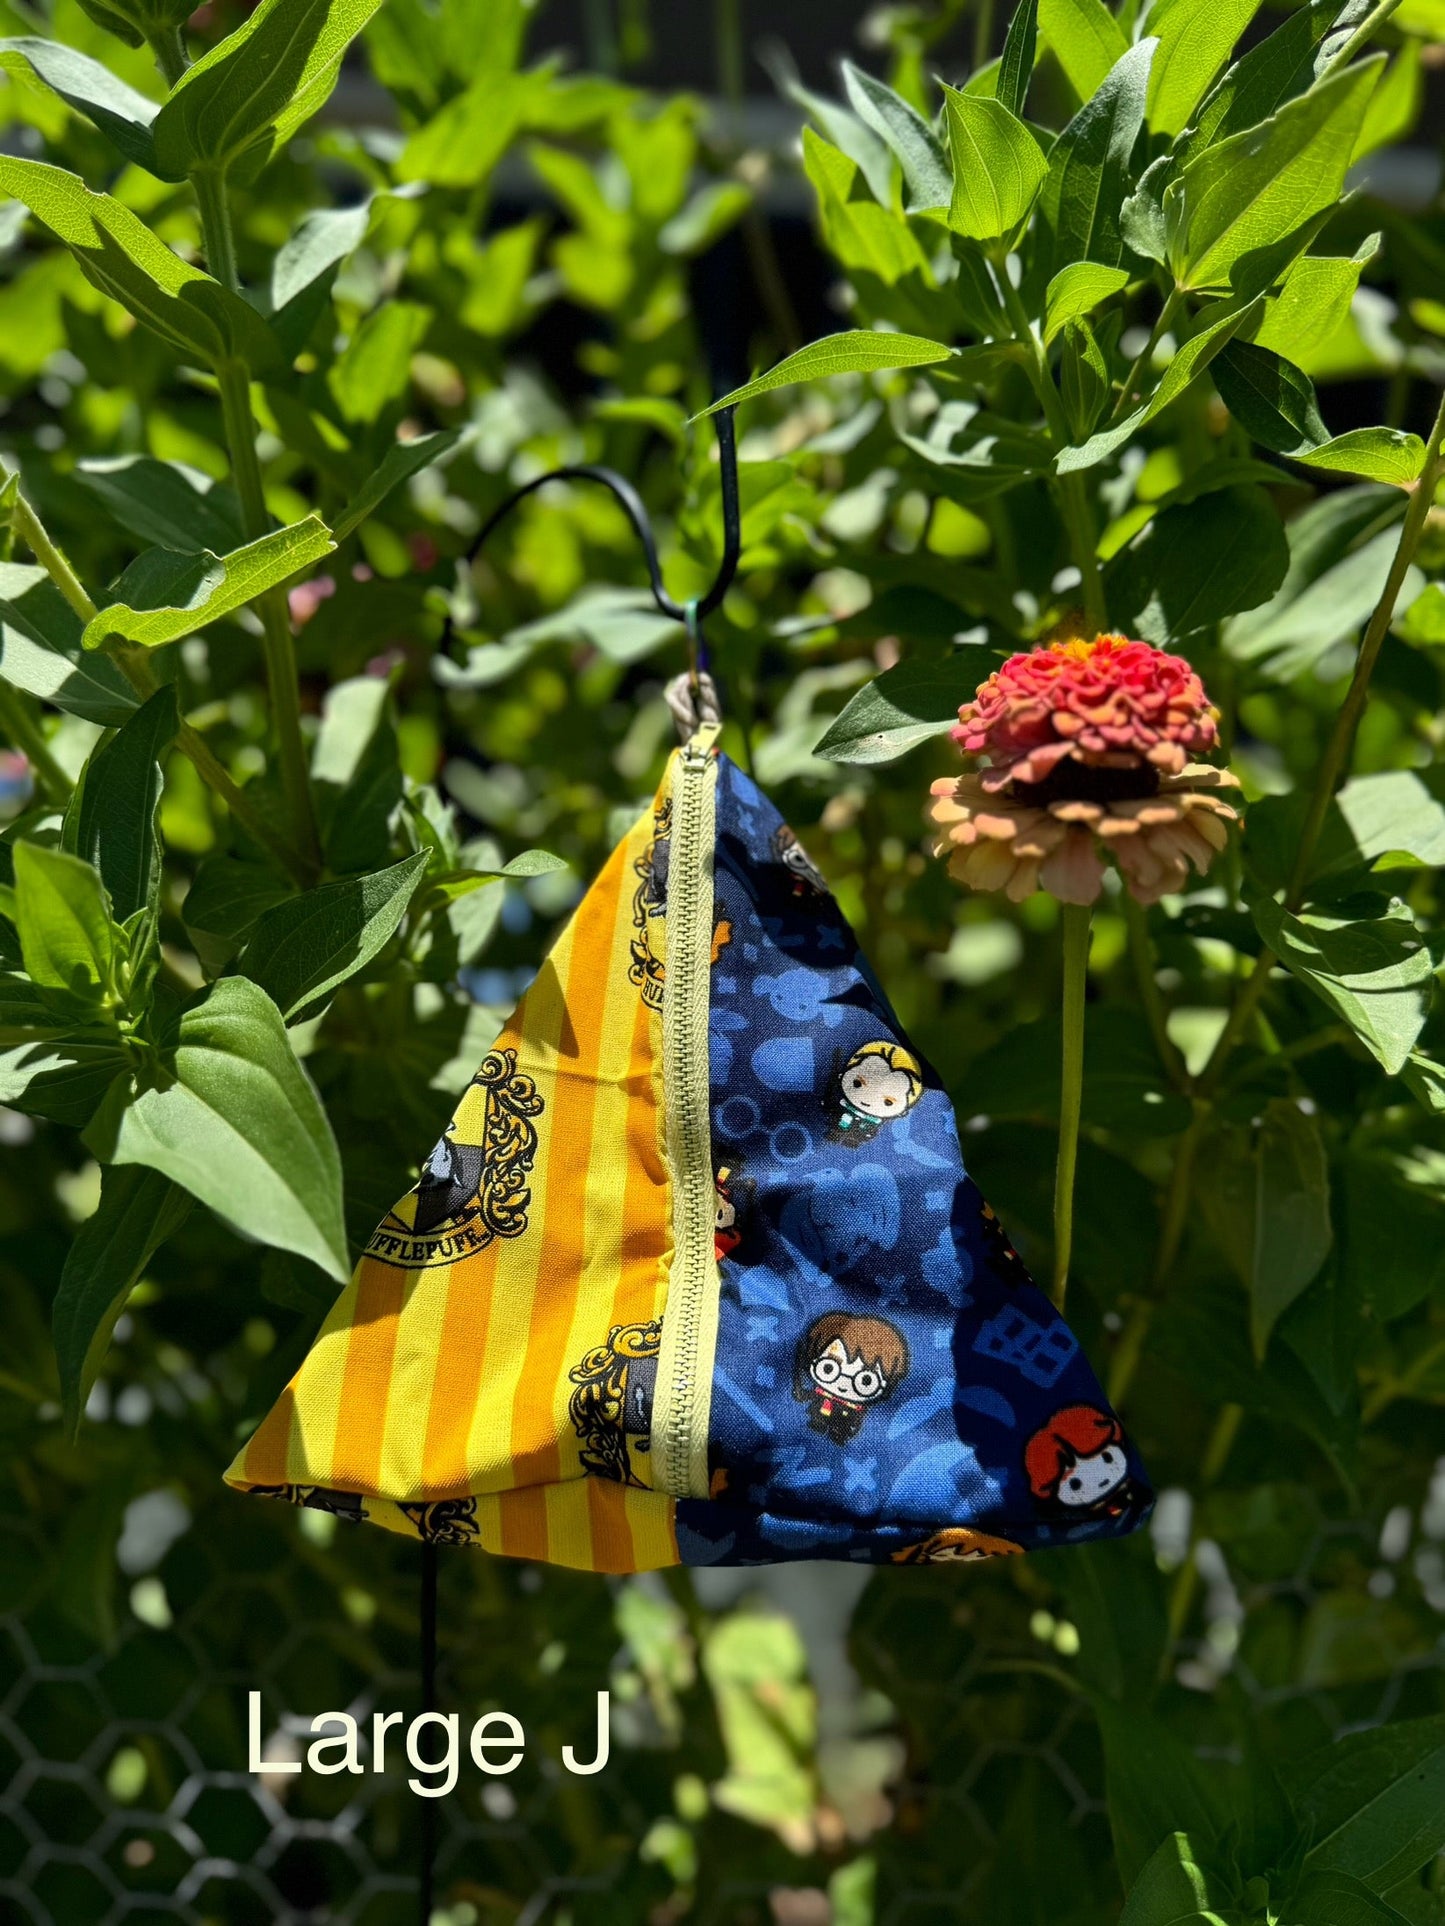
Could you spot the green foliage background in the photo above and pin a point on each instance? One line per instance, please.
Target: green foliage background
(277, 857)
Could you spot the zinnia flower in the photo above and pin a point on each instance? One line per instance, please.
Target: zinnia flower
(1086, 749)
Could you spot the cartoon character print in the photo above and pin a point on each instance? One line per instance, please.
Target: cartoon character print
(726, 1235)
(879, 1083)
(845, 1365)
(647, 967)
(445, 1521)
(340, 1504)
(611, 1409)
(956, 1545)
(808, 879)
(1077, 1465)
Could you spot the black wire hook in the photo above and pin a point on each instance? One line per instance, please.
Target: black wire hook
(689, 614)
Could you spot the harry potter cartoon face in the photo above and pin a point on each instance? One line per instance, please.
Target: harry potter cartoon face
(880, 1082)
(844, 1366)
(956, 1545)
(1077, 1462)
(726, 1235)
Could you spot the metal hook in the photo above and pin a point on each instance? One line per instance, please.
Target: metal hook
(689, 614)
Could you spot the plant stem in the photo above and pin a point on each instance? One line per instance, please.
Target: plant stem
(1079, 522)
(1348, 720)
(1141, 951)
(235, 385)
(1171, 1235)
(1073, 500)
(31, 530)
(1341, 741)
(1146, 353)
(169, 50)
(28, 737)
(1376, 17)
(137, 671)
(1071, 1089)
(216, 230)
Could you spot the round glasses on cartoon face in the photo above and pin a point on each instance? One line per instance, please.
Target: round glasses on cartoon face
(1094, 1477)
(842, 1376)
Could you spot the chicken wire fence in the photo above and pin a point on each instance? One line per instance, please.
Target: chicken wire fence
(771, 1731)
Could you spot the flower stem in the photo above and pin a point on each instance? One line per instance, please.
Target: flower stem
(28, 737)
(1078, 520)
(1071, 1089)
(169, 50)
(216, 230)
(235, 385)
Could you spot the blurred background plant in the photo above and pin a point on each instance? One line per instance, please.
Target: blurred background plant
(353, 273)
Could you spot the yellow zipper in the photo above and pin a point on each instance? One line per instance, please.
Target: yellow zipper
(683, 1399)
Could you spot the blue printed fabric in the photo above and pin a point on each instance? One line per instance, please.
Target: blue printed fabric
(889, 1383)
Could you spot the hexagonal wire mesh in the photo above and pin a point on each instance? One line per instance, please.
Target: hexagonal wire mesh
(127, 1796)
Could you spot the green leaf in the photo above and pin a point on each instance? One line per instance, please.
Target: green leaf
(357, 765)
(119, 112)
(1172, 1889)
(303, 270)
(132, 20)
(1085, 38)
(1076, 291)
(1270, 399)
(1083, 378)
(1341, 548)
(224, 902)
(855, 351)
(1375, 974)
(40, 651)
(1191, 359)
(1194, 37)
(998, 167)
(1167, 584)
(1081, 205)
(64, 920)
(460, 145)
(241, 101)
(1379, 454)
(1016, 68)
(1267, 1204)
(139, 1209)
(1153, 1777)
(1336, 1899)
(375, 369)
(117, 253)
(164, 502)
(61, 1078)
(1243, 195)
(1313, 303)
(1426, 1080)
(1375, 1802)
(184, 593)
(907, 135)
(902, 707)
(119, 803)
(880, 250)
(240, 1126)
(402, 460)
(1260, 81)
(301, 950)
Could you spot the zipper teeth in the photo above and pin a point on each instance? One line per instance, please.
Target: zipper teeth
(687, 980)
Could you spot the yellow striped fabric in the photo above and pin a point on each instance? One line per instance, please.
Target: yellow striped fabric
(441, 1391)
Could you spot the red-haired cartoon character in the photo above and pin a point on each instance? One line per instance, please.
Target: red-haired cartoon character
(1077, 1464)
(956, 1545)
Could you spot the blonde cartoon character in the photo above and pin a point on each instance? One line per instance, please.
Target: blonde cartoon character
(881, 1081)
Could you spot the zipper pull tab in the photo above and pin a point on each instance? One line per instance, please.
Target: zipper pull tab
(700, 744)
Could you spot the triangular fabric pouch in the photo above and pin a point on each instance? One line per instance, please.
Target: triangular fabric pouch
(696, 1273)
